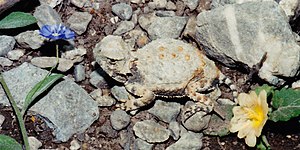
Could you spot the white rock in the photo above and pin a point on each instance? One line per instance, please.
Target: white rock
(51, 3)
(47, 62)
(74, 145)
(75, 55)
(160, 4)
(34, 143)
(5, 62)
(291, 8)
(15, 54)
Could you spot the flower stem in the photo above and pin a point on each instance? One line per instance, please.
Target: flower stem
(17, 111)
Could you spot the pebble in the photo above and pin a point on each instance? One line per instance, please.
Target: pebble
(102, 100)
(2, 119)
(107, 130)
(46, 62)
(81, 3)
(76, 55)
(34, 143)
(119, 93)
(79, 72)
(170, 6)
(79, 21)
(15, 54)
(188, 140)
(97, 80)
(5, 62)
(142, 145)
(119, 119)
(165, 111)
(124, 27)
(7, 43)
(51, 3)
(174, 127)
(122, 10)
(160, 4)
(30, 39)
(74, 145)
(191, 4)
(46, 15)
(144, 130)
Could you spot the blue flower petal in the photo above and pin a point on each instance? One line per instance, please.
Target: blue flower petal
(56, 32)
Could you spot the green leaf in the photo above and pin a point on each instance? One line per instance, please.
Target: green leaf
(267, 88)
(286, 103)
(8, 143)
(38, 89)
(16, 20)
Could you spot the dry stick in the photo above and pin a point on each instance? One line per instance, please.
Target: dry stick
(17, 111)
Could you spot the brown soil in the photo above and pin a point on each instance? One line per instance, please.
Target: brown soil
(280, 135)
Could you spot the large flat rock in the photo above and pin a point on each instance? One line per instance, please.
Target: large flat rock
(245, 32)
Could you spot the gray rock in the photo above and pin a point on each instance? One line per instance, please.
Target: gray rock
(47, 62)
(247, 36)
(291, 8)
(175, 129)
(122, 10)
(142, 145)
(2, 119)
(7, 43)
(119, 119)
(107, 130)
(5, 62)
(81, 3)
(15, 54)
(79, 21)
(162, 27)
(77, 111)
(165, 111)
(188, 140)
(79, 73)
(97, 80)
(76, 55)
(170, 6)
(74, 145)
(197, 121)
(144, 130)
(120, 93)
(102, 100)
(124, 27)
(34, 143)
(296, 85)
(51, 3)
(191, 4)
(30, 39)
(160, 13)
(46, 15)
(190, 28)
(160, 4)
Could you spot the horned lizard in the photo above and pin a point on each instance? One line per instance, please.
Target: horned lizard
(164, 67)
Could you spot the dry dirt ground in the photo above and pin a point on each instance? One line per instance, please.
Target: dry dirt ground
(280, 135)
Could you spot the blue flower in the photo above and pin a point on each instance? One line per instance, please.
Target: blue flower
(56, 32)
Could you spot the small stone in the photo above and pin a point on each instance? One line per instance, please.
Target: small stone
(15, 54)
(107, 130)
(79, 21)
(46, 62)
(291, 8)
(165, 13)
(7, 43)
(74, 145)
(119, 119)
(187, 141)
(160, 4)
(79, 73)
(5, 62)
(170, 6)
(51, 3)
(102, 100)
(120, 93)
(97, 80)
(191, 4)
(122, 10)
(165, 111)
(34, 143)
(142, 145)
(81, 3)
(30, 39)
(2, 119)
(124, 27)
(75, 55)
(46, 15)
(174, 127)
(197, 121)
(144, 130)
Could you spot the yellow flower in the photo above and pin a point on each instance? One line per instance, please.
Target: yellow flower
(250, 117)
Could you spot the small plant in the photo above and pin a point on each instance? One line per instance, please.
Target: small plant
(253, 112)
(52, 32)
